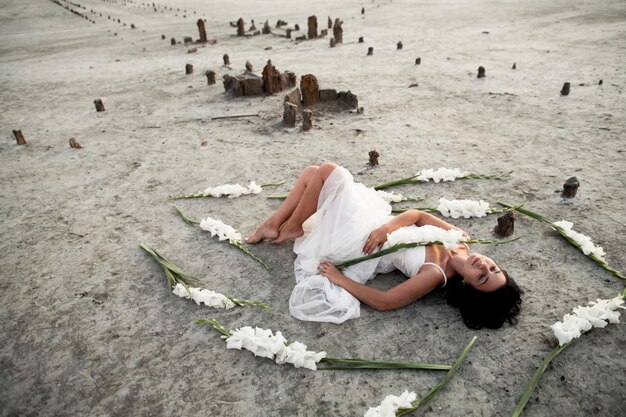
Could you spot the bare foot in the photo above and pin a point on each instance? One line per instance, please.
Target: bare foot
(265, 232)
(288, 233)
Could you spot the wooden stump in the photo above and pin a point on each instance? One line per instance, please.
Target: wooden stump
(99, 105)
(266, 28)
(565, 89)
(370, 51)
(294, 97)
(289, 114)
(19, 137)
(570, 188)
(271, 78)
(600, 82)
(288, 33)
(373, 158)
(210, 77)
(323, 32)
(228, 81)
(252, 86)
(192, 50)
(307, 120)
(310, 90)
(328, 95)
(360, 39)
(296, 27)
(312, 24)
(249, 67)
(173, 41)
(301, 38)
(202, 31)
(481, 72)
(399, 45)
(74, 144)
(252, 27)
(226, 59)
(188, 69)
(338, 31)
(241, 30)
(188, 39)
(332, 42)
(362, 10)
(514, 66)
(418, 61)
(287, 80)
(330, 23)
(348, 99)
(506, 225)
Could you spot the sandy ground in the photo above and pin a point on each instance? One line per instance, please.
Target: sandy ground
(86, 321)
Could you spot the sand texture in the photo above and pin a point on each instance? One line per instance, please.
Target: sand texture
(87, 325)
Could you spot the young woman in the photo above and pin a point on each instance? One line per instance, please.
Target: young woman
(333, 219)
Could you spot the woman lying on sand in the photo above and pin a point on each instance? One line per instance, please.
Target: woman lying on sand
(333, 219)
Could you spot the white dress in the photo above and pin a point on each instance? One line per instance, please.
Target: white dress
(346, 214)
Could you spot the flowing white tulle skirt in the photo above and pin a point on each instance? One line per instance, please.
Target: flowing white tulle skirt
(346, 213)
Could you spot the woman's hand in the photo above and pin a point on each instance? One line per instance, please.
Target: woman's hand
(376, 239)
(330, 271)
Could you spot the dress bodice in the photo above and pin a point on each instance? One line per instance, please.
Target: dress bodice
(408, 261)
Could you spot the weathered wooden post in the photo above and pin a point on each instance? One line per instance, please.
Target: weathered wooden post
(266, 28)
(241, 30)
(289, 113)
(188, 69)
(74, 144)
(226, 59)
(506, 225)
(570, 188)
(370, 50)
(565, 89)
(418, 61)
(360, 39)
(514, 66)
(173, 41)
(307, 119)
(332, 42)
(338, 31)
(309, 89)
(312, 24)
(99, 105)
(399, 45)
(373, 155)
(330, 23)
(202, 31)
(249, 67)
(481, 72)
(19, 137)
(210, 77)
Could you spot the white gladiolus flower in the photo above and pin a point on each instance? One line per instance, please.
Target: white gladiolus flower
(232, 190)
(207, 297)
(595, 314)
(223, 231)
(389, 197)
(570, 328)
(262, 342)
(296, 354)
(463, 208)
(426, 234)
(585, 243)
(391, 404)
(441, 174)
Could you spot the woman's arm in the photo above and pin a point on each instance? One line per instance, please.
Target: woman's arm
(378, 236)
(399, 296)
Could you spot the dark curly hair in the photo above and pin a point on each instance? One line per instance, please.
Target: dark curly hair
(486, 309)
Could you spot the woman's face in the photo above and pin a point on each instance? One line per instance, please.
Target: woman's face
(482, 273)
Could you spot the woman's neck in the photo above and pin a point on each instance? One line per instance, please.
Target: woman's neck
(457, 257)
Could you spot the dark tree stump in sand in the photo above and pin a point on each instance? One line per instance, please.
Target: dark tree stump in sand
(338, 31)
(360, 39)
(210, 77)
(565, 89)
(287, 80)
(188, 69)
(74, 144)
(506, 225)
(243, 85)
(280, 23)
(600, 82)
(418, 61)
(310, 90)
(266, 28)
(296, 27)
(289, 114)
(271, 79)
(301, 38)
(362, 10)
(348, 99)
(330, 23)
(202, 31)
(226, 59)
(192, 50)
(241, 30)
(312, 24)
(332, 42)
(19, 137)
(187, 39)
(570, 188)
(514, 66)
(399, 45)
(294, 97)
(288, 33)
(328, 94)
(99, 105)
(373, 158)
(307, 120)
(173, 41)
(249, 67)
(132, 26)
(370, 51)
(162, 37)
(228, 81)
(481, 72)
(323, 32)
(252, 27)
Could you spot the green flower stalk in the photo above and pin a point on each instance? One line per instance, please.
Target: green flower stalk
(182, 285)
(400, 246)
(433, 392)
(579, 241)
(230, 234)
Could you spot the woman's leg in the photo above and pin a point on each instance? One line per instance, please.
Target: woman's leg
(307, 205)
(269, 229)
